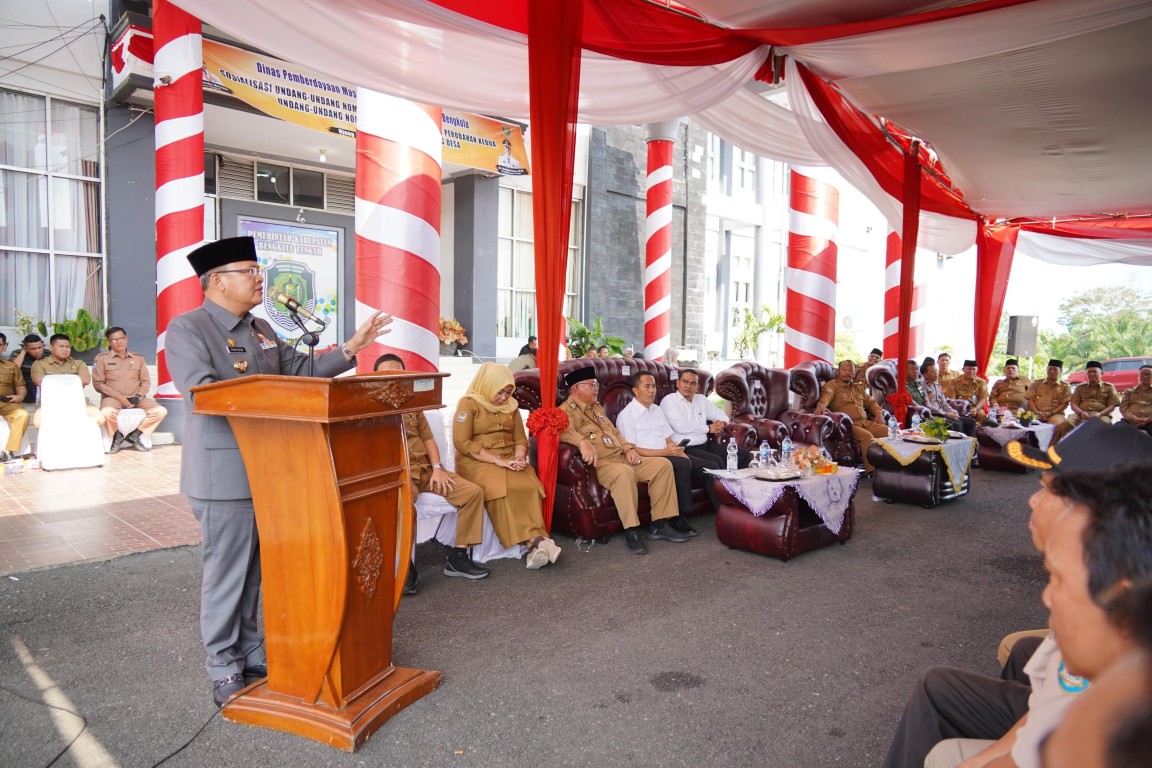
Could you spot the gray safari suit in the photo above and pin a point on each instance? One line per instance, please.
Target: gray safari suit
(202, 346)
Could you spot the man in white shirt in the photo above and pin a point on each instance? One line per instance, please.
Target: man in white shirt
(693, 417)
(643, 424)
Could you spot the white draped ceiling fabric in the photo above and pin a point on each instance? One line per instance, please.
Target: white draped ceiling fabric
(1032, 113)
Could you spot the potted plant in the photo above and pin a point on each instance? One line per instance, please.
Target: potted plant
(936, 427)
(84, 331)
(1025, 417)
(581, 338)
(451, 335)
(753, 327)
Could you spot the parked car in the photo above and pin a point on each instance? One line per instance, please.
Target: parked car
(1121, 372)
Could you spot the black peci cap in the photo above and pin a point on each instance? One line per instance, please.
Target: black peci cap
(227, 251)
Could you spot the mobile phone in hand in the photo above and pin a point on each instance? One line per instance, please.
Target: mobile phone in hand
(683, 443)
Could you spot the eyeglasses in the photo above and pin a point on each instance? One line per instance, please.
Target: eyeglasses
(250, 271)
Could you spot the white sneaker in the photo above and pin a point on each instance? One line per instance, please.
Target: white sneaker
(537, 558)
(551, 548)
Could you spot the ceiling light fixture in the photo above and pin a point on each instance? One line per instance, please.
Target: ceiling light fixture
(323, 155)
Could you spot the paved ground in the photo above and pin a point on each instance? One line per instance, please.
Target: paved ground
(694, 655)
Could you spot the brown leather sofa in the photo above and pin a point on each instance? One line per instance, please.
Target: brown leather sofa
(807, 379)
(582, 506)
(761, 398)
(882, 380)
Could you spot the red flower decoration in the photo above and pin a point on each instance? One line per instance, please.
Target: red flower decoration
(900, 402)
(549, 421)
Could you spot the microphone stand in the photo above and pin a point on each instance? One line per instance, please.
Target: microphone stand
(310, 339)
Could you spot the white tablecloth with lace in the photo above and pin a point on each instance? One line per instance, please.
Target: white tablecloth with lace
(1005, 435)
(957, 453)
(827, 495)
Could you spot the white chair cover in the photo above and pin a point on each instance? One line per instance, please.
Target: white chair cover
(436, 518)
(68, 437)
(128, 419)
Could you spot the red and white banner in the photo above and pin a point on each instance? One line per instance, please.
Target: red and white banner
(179, 171)
(398, 176)
(892, 306)
(658, 250)
(810, 302)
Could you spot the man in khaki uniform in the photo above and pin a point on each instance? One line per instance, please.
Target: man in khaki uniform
(60, 362)
(846, 395)
(1011, 391)
(1136, 405)
(1094, 399)
(968, 386)
(121, 377)
(862, 368)
(429, 475)
(12, 392)
(946, 376)
(618, 466)
(1049, 399)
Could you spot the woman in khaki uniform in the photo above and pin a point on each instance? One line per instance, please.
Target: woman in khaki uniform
(492, 452)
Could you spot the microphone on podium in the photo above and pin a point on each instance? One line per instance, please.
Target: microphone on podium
(297, 308)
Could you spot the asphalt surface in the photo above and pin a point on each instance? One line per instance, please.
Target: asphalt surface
(694, 655)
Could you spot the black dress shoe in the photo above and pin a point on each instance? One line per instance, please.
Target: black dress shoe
(634, 543)
(410, 580)
(7, 456)
(117, 443)
(460, 565)
(681, 525)
(662, 531)
(136, 437)
(225, 689)
(256, 672)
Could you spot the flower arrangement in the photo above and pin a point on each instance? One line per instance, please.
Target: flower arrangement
(936, 427)
(1025, 416)
(451, 331)
(809, 459)
(548, 421)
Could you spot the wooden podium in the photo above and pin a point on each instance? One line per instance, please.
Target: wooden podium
(328, 464)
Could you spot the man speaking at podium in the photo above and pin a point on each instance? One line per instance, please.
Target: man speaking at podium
(216, 342)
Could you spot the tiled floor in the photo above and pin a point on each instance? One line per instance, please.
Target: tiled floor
(131, 504)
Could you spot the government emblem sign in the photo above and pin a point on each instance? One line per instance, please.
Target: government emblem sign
(294, 279)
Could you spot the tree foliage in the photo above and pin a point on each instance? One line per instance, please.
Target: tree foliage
(1103, 323)
(753, 327)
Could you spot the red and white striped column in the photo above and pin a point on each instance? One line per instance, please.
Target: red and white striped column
(892, 306)
(177, 63)
(398, 176)
(658, 241)
(810, 302)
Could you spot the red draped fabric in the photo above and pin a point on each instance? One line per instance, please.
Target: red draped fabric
(644, 31)
(995, 246)
(554, 86)
(884, 160)
(1133, 228)
(911, 230)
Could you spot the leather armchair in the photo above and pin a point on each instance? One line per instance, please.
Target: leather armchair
(883, 381)
(807, 379)
(582, 507)
(760, 397)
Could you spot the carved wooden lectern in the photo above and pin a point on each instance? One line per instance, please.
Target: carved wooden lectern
(328, 466)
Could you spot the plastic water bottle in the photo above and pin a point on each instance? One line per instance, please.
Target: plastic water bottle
(786, 451)
(893, 432)
(915, 422)
(765, 454)
(733, 455)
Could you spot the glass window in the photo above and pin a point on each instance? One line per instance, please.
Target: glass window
(209, 173)
(307, 188)
(51, 208)
(273, 184)
(516, 264)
